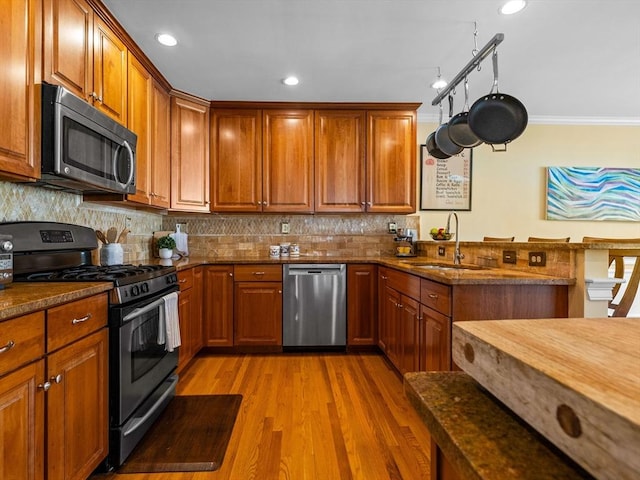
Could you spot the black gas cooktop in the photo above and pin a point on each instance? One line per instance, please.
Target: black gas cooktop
(118, 274)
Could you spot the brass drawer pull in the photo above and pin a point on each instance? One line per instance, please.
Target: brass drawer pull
(8, 346)
(433, 295)
(258, 273)
(75, 321)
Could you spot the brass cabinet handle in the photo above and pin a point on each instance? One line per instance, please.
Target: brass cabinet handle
(184, 280)
(8, 346)
(433, 295)
(258, 273)
(76, 321)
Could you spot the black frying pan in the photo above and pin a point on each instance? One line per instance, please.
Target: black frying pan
(443, 141)
(459, 131)
(497, 117)
(433, 149)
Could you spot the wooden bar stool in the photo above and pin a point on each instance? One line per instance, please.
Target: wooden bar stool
(499, 239)
(540, 239)
(616, 259)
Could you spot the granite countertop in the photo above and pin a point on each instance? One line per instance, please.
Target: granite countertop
(483, 276)
(479, 436)
(22, 298)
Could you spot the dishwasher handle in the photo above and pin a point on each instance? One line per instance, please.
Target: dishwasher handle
(324, 269)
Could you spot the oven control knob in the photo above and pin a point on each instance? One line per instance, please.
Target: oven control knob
(6, 246)
(144, 287)
(135, 291)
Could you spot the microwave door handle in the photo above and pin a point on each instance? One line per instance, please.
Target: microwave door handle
(142, 310)
(125, 145)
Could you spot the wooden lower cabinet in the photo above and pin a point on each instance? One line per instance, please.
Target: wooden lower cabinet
(218, 305)
(435, 341)
(362, 305)
(22, 420)
(77, 408)
(257, 305)
(190, 312)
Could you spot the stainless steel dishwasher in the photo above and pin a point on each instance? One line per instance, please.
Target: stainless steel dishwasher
(315, 305)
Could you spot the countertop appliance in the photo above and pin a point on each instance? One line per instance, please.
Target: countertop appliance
(142, 378)
(84, 150)
(315, 305)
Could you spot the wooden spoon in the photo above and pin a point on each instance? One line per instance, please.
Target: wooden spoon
(122, 238)
(101, 236)
(112, 233)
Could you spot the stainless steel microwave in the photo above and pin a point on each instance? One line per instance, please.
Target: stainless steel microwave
(84, 150)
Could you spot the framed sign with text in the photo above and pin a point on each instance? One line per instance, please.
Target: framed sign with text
(445, 184)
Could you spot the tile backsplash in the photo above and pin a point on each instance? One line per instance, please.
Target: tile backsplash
(214, 236)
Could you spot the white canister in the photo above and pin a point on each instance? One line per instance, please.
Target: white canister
(274, 251)
(284, 249)
(111, 254)
(294, 250)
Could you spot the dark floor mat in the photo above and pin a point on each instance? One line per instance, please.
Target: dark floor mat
(191, 435)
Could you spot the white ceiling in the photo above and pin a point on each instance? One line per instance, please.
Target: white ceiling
(568, 61)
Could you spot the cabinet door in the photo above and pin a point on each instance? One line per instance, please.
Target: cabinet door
(392, 325)
(258, 313)
(160, 147)
(287, 158)
(391, 161)
(185, 301)
(362, 304)
(189, 155)
(236, 160)
(196, 312)
(77, 408)
(409, 335)
(109, 72)
(339, 161)
(22, 420)
(218, 306)
(435, 348)
(19, 150)
(139, 121)
(68, 45)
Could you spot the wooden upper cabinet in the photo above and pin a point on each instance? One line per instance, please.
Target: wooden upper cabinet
(189, 155)
(109, 72)
(340, 160)
(160, 194)
(19, 147)
(236, 160)
(68, 45)
(391, 161)
(287, 156)
(139, 90)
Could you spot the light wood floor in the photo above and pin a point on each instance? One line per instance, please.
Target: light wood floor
(310, 416)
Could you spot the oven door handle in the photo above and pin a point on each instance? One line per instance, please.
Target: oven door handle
(142, 310)
(141, 420)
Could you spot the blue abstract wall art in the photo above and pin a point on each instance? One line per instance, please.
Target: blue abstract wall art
(593, 193)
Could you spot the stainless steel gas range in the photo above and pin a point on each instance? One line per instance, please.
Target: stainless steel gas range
(142, 368)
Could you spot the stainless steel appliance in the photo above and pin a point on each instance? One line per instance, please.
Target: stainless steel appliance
(84, 150)
(315, 306)
(6, 260)
(142, 377)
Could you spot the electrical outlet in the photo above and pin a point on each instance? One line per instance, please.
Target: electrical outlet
(393, 227)
(441, 251)
(284, 227)
(537, 259)
(509, 256)
(127, 223)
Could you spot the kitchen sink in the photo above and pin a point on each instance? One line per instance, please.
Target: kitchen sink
(445, 266)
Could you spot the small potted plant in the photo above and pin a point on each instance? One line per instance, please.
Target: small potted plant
(165, 246)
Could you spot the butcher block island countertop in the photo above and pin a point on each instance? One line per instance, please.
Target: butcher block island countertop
(576, 381)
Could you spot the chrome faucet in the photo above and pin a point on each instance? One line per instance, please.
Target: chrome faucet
(457, 256)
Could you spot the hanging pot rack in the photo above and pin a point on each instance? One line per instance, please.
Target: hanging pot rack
(473, 63)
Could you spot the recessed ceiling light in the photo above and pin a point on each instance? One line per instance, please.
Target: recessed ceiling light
(291, 81)
(439, 83)
(512, 6)
(166, 39)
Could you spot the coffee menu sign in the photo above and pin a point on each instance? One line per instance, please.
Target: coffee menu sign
(445, 184)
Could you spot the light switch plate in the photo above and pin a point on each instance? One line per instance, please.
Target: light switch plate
(284, 227)
(393, 227)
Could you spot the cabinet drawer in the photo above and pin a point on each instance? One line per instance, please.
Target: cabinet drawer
(402, 282)
(435, 295)
(185, 279)
(257, 273)
(21, 341)
(74, 320)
